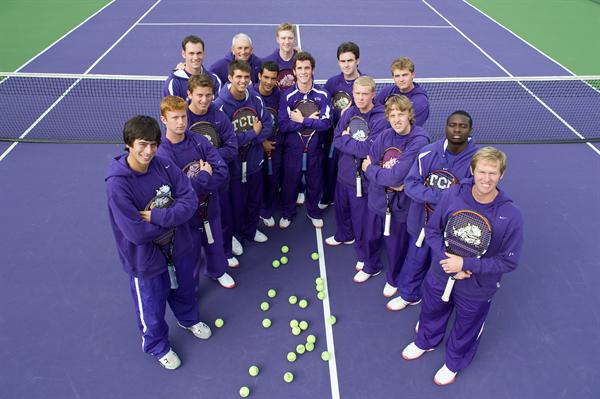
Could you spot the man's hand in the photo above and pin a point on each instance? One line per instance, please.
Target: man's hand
(365, 164)
(346, 132)
(268, 146)
(145, 215)
(452, 264)
(257, 125)
(296, 116)
(205, 166)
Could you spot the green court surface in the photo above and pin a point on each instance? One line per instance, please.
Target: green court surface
(29, 26)
(568, 31)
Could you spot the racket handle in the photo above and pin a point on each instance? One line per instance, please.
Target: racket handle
(209, 236)
(244, 169)
(331, 148)
(304, 161)
(269, 167)
(172, 276)
(388, 222)
(358, 186)
(448, 289)
(420, 239)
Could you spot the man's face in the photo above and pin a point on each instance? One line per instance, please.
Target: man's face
(201, 98)
(363, 97)
(399, 121)
(175, 121)
(285, 39)
(268, 80)
(403, 78)
(141, 152)
(242, 50)
(239, 81)
(303, 71)
(348, 63)
(458, 129)
(486, 176)
(193, 54)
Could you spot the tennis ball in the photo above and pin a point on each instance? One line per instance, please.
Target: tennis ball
(288, 377)
(264, 306)
(291, 357)
(275, 264)
(303, 303)
(321, 295)
(253, 371)
(332, 320)
(244, 392)
(293, 323)
(309, 347)
(300, 349)
(293, 299)
(325, 356)
(283, 260)
(303, 325)
(296, 331)
(314, 256)
(219, 323)
(311, 339)
(271, 293)
(285, 249)
(320, 287)
(319, 280)
(266, 323)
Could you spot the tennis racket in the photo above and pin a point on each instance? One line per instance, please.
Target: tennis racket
(390, 158)
(165, 241)
(467, 234)
(207, 130)
(359, 131)
(306, 107)
(341, 100)
(191, 170)
(285, 78)
(243, 120)
(273, 114)
(440, 180)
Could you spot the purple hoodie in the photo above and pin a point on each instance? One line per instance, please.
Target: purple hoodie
(270, 101)
(418, 97)
(221, 122)
(503, 253)
(177, 83)
(335, 84)
(380, 178)
(433, 157)
(283, 66)
(128, 193)
(351, 150)
(220, 67)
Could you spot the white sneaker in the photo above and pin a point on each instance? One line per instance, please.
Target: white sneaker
(332, 242)
(399, 303)
(361, 276)
(260, 237)
(318, 223)
(200, 330)
(359, 266)
(226, 281)
(233, 262)
(413, 352)
(389, 291)
(236, 246)
(284, 223)
(444, 376)
(323, 206)
(270, 222)
(170, 360)
(300, 199)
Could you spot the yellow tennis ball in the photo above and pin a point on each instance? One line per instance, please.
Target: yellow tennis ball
(253, 371)
(266, 323)
(309, 347)
(300, 349)
(303, 325)
(285, 249)
(264, 306)
(275, 264)
(314, 256)
(321, 295)
(325, 356)
(271, 293)
(293, 299)
(311, 339)
(319, 280)
(296, 331)
(293, 323)
(283, 260)
(303, 303)
(288, 377)
(291, 357)
(219, 323)
(244, 392)
(332, 320)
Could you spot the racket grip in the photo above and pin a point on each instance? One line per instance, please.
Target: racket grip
(269, 167)
(420, 239)
(244, 169)
(209, 236)
(304, 161)
(358, 186)
(388, 222)
(172, 276)
(331, 148)
(448, 289)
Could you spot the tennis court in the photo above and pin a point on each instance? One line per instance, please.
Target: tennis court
(67, 328)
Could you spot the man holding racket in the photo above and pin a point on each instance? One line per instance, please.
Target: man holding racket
(207, 171)
(202, 111)
(283, 56)
(438, 166)
(403, 73)
(304, 114)
(192, 50)
(241, 50)
(353, 145)
(389, 160)
(155, 246)
(477, 276)
(252, 125)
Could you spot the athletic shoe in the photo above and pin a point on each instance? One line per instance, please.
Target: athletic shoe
(226, 281)
(389, 290)
(300, 199)
(317, 222)
(332, 242)
(361, 276)
(413, 352)
(323, 206)
(170, 360)
(359, 266)
(399, 303)
(284, 223)
(260, 237)
(444, 376)
(270, 222)
(236, 246)
(200, 330)
(233, 262)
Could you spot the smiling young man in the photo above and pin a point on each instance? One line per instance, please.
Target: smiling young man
(241, 50)
(283, 56)
(145, 238)
(451, 154)
(477, 279)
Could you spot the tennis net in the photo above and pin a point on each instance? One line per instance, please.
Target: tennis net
(64, 108)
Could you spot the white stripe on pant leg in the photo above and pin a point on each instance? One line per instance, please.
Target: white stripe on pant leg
(140, 308)
(480, 331)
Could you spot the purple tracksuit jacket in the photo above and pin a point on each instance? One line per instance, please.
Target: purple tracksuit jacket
(228, 150)
(289, 79)
(177, 83)
(418, 97)
(219, 68)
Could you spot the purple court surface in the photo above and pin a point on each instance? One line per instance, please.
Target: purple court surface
(67, 325)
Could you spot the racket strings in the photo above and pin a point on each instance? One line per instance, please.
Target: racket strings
(468, 235)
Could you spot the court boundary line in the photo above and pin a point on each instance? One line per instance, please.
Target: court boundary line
(309, 25)
(60, 98)
(298, 40)
(485, 53)
(333, 375)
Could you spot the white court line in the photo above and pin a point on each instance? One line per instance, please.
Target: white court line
(298, 41)
(333, 376)
(571, 128)
(311, 25)
(62, 96)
